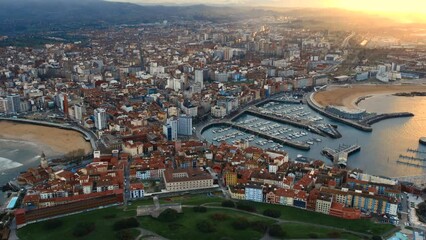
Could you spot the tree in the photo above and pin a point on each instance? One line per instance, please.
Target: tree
(205, 226)
(276, 231)
(168, 215)
(240, 224)
(259, 226)
(228, 203)
(200, 209)
(124, 235)
(421, 209)
(83, 229)
(219, 216)
(126, 223)
(246, 206)
(272, 213)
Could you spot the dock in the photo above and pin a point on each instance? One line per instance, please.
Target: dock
(298, 145)
(415, 151)
(380, 117)
(410, 164)
(285, 142)
(304, 124)
(341, 154)
(313, 105)
(412, 158)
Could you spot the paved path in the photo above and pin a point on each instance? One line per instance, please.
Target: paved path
(12, 235)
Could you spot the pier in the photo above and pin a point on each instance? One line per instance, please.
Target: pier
(380, 117)
(311, 103)
(412, 158)
(410, 164)
(415, 151)
(293, 144)
(298, 145)
(279, 101)
(363, 125)
(341, 154)
(292, 122)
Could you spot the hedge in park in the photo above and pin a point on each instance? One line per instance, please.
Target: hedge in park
(83, 229)
(240, 224)
(124, 235)
(272, 213)
(125, 223)
(246, 206)
(168, 215)
(276, 231)
(206, 226)
(228, 203)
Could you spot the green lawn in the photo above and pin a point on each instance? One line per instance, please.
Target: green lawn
(187, 226)
(193, 199)
(103, 219)
(295, 214)
(296, 231)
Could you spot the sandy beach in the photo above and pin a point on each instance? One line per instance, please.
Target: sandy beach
(53, 141)
(348, 95)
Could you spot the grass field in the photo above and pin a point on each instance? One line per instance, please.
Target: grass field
(296, 231)
(295, 214)
(187, 226)
(101, 218)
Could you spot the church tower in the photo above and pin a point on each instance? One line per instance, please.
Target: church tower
(43, 161)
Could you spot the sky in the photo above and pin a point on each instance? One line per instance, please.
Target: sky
(384, 6)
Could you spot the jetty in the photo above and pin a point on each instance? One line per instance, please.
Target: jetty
(304, 124)
(415, 151)
(380, 117)
(285, 142)
(412, 158)
(364, 124)
(340, 155)
(410, 164)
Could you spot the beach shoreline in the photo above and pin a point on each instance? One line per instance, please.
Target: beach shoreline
(53, 141)
(351, 96)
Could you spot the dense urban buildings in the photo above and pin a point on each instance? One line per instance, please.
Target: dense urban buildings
(144, 95)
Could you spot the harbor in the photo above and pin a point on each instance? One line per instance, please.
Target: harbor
(367, 158)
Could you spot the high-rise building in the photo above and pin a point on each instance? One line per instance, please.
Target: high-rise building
(170, 129)
(199, 77)
(78, 112)
(100, 118)
(14, 103)
(3, 105)
(185, 125)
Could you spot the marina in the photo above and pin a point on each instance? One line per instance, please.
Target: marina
(392, 143)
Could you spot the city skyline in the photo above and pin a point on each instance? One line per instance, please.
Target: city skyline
(383, 6)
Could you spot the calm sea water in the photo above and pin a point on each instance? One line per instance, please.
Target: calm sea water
(379, 149)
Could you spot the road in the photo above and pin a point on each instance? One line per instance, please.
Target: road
(345, 42)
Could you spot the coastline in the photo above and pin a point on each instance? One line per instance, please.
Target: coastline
(53, 141)
(351, 96)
